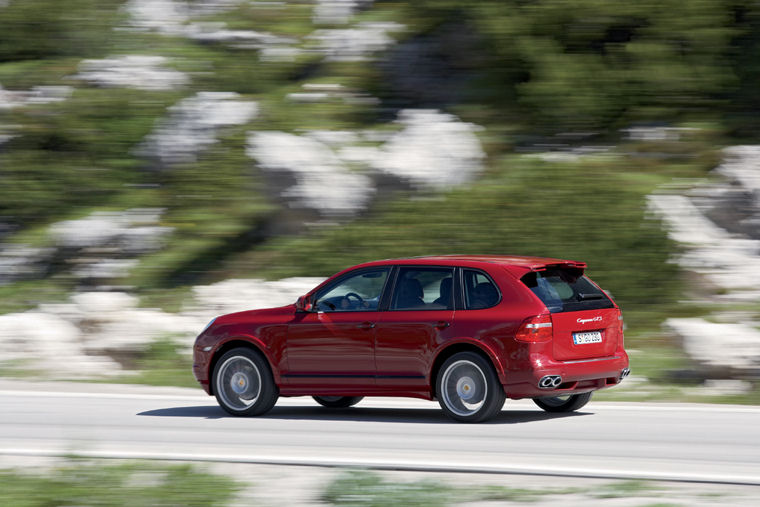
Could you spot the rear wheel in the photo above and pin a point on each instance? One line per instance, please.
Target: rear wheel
(338, 401)
(243, 383)
(567, 403)
(468, 389)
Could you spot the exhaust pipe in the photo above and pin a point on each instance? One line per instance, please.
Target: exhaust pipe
(549, 382)
(625, 373)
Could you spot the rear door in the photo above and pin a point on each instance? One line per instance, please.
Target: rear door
(419, 317)
(585, 322)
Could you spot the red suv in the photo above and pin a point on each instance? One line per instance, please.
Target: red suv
(468, 331)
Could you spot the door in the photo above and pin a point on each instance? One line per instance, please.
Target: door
(335, 345)
(419, 317)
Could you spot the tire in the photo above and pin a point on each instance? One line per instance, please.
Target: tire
(468, 389)
(563, 403)
(338, 401)
(243, 383)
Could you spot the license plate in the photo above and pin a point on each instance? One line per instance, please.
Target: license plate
(587, 337)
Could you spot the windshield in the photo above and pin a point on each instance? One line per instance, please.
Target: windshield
(566, 290)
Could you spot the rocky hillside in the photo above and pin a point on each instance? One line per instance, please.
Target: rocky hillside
(164, 161)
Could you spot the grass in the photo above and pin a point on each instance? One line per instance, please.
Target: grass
(369, 489)
(86, 483)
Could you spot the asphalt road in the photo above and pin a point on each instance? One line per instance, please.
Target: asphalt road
(705, 443)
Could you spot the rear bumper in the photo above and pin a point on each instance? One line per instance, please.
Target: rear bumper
(577, 376)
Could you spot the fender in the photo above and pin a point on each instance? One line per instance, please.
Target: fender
(257, 344)
(483, 347)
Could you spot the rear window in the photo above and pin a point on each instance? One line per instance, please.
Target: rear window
(566, 290)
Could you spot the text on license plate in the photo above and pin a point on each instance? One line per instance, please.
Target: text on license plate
(587, 337)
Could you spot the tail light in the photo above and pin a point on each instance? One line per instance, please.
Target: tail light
(535, 329)
(621, 328)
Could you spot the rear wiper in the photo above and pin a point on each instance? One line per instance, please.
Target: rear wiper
(585, 297)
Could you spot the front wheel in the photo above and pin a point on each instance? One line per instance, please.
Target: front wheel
(567, 403)
(338, 401)
(468, 389)
(243, 383)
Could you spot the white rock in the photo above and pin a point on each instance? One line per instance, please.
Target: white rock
(72, 340)
(132, 71)
(742, 164)
(134, 330)
(193, 124)
(729, 261)
(22, 261)
(334, 138)
(322, 181)
(117, 229)
(734, 345)
(101, 303)
(105, 268)
(433, 149)
(171, 16)
(323, 87)
(37, 95)
(49, 346)
(661, 133)
(164, 16)
(279, 53)
(307, 96)
(248, 294)
(218, 32)
(357, 43)
(95, 230)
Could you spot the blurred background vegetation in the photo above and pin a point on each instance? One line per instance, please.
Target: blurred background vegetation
(536, 76)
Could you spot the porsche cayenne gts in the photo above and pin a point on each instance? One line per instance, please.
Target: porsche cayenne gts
(465, 330)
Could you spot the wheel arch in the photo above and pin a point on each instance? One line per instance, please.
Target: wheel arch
(236, 343)
(464, 346)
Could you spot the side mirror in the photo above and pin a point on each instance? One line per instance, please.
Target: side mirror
(303, 304)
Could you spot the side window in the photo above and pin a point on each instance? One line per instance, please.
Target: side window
(479, 290)
(354, 293)
(420, 288)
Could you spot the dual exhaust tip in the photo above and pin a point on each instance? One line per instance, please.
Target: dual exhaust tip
(554, 381)
(550, 382)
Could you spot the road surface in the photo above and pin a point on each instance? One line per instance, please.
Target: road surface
(687, 442)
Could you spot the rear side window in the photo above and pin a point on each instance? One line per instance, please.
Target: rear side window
(422, 288)
(479, 290)
(566, 290)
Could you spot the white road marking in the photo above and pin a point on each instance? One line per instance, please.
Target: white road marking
(380, 402)
(405, 465)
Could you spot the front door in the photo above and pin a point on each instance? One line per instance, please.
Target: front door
(335, 345)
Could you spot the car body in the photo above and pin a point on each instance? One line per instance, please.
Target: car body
(467, 330)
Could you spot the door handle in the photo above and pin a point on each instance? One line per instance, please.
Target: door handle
(442, 324)
(366, 325)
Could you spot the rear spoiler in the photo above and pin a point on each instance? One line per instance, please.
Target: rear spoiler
(568, 264)
(519, 271)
